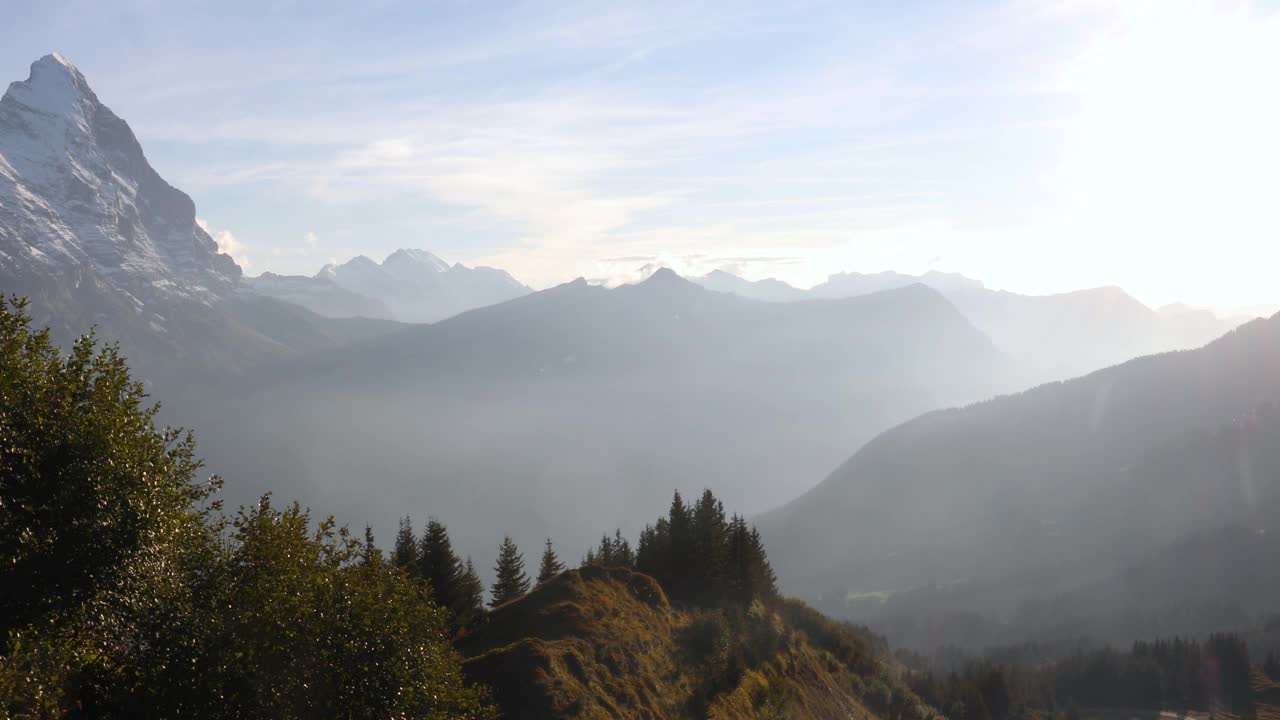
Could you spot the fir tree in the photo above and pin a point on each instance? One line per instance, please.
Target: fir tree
(511, 581)
(699, 557)
(370, 555)
(471, 598)
(706, 555)
(405, 554)
(680, 534)
(604, 552)
(550, 566)
(622, 554)
(440, 566)
(653, 553)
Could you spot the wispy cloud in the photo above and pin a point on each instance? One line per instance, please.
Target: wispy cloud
(555, 137)
(227, 244)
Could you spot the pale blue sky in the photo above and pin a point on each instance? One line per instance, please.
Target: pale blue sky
(1039, 146)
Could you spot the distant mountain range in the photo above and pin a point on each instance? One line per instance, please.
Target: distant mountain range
(582, 402)
(542, 413)
(1050, 337)
(539, 415)
(409, 286)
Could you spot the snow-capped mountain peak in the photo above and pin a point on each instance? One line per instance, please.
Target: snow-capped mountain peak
(77, 195)
(420, 259)
(55, 89)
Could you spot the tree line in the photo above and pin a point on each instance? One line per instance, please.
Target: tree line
(127, 591)
(699, 556)
(1178, 674)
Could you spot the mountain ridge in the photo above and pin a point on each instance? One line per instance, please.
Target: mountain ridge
(1053, 337)
(410, 285)
(1049, 478)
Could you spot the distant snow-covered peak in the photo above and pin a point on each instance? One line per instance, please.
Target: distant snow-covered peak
(416, 258)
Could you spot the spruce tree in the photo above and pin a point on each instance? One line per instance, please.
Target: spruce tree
(471, 597)
(440, 566)
(511, 581)
(550, 566)
(679, 570)
(605, 553)
(764, 581)
(622, 554)
(706, 548)
(653, 554)
(370, 555)
(405, 554)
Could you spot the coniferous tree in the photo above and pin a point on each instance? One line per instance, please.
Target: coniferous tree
(764, 582)
(706, 549)
(440, 566)
(370, 555)
(699, 556)
(471, 598)
(622, 554)
(653, 554)
(1271, 666)
(511, 581)
(680, 532)
(405, 554)
(550, 566)
(605, 552)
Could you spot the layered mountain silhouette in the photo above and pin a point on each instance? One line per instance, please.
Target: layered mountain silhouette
(545, 412)
(519, 415)
(581, 402)
(1003, 505)
(409, 286)
(1050, 337)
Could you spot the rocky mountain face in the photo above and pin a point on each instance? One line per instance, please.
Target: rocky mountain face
(80, 198)
(94, 237)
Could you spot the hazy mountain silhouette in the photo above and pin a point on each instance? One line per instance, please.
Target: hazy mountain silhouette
(1017, 498)
(546, 413)
(1050, 337)
(409, 285)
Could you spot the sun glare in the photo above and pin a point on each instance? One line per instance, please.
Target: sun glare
(1178, 142)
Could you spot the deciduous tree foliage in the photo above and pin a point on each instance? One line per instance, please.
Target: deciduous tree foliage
(124, 594)
(87, 483)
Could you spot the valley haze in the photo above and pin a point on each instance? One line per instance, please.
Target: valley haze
(1012, 494)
